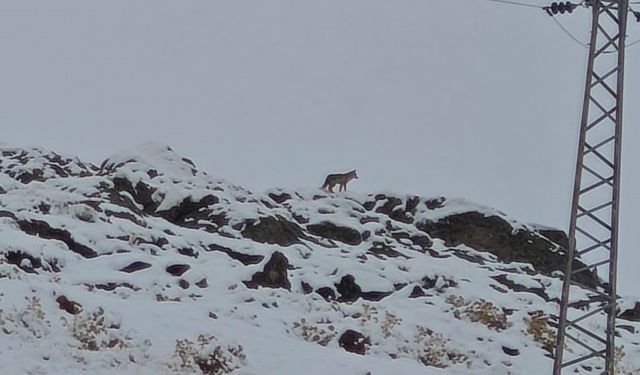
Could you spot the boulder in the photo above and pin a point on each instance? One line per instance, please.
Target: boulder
(274, 274)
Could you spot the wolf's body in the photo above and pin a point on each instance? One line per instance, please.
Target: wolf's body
(339, 179)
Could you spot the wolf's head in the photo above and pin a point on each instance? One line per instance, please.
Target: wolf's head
(353, 174)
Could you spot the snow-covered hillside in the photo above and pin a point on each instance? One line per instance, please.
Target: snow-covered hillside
(146, 265)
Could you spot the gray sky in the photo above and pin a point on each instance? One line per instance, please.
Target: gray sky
(461, 98)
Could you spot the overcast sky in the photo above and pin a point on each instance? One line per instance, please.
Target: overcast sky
(462, 98)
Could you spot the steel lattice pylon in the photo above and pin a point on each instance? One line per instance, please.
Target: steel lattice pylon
(593, 230)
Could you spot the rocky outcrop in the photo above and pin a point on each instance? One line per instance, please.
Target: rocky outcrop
(273, 230)
(274, 274)
(335, 232)
(354, 342)
(495, 235)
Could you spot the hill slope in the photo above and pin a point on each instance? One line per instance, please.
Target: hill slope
(146, 265)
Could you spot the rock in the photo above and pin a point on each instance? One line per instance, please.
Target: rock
(354, 342)
(274, 274)
(392, 208)
(188, 251)
(178, 269)
(504, 280)
(510, 351)
(202, 283)
(327, 293)
(331, 231)
(135, 266)
(382, 251)
(68, 305)
(417, 292)
(348, 289)
(273, 230)
(142, 193)
(495, 235)
(435, 203)
(188, 209)
(245, 259)
(280, 198)
(631, 314)
(306, 287)
(44, 230)
(24, 261)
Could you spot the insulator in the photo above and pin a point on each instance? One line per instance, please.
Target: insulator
(561, 8)
(570, 6)
(637, 14)
(554, 8)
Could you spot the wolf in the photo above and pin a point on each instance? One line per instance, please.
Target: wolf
(340, 179)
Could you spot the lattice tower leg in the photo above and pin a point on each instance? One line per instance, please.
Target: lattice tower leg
(585, 341)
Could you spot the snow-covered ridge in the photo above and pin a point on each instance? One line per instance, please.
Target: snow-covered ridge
(147, 265)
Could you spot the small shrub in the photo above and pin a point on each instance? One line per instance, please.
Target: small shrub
(480, 311)
(93, 333)
(538, 328)
(368, 315)
(389, 323)
(620, 367)
(435, 349)
(315, 333)
(207, 356)
(29, 319)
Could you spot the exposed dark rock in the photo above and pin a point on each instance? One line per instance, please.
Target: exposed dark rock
(495, 235)
(348, 289)
(434, 203)
(327, 293)
(126, 216)
(374, 295)
(17, 258)
(273, 230)
(274, 274)
(142, 193)
(202, 283)
(392, 208)
(72, 307)
(369, 205)
(631, 314)
(382, 251)
(306, 288)
(45, 208)
(412, 204)
(422, 241)
(504, 280)
(467, 255)
(184, 284)
(112, 286)
(178, 269)
(431, 283)
(8, 214)
(280, 198)
(43, 230)
(135, 266)
(417, 292)
(245, 259)
(354, 342)
(369, 219)
(188, 251)
(557, 236)
(189, 210)
(334, 232)
(299, 218)
(510, 351)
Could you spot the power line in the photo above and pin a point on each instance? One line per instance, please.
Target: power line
(564, 29)
(510, 2)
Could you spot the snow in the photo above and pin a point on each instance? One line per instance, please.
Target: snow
(145, 312)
